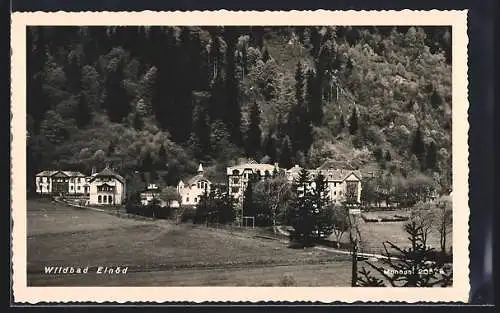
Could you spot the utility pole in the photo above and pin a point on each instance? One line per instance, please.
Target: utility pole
(354, 274)
(353, 237)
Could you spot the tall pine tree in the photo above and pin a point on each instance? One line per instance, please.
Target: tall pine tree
(83, 111)
(313, 98)
(418, 146)
(323, 219)
(299, 124)
(253, 145)
(270, 147)
(353, 122)
(431, 156)
(117, 101)
(303, 211)
(286, 154)
(233, 120)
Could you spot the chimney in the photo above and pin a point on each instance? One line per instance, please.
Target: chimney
(200, 169)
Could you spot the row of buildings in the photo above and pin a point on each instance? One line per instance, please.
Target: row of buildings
(101, 188)
(108, 188)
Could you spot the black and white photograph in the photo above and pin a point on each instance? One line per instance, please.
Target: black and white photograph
(240, 155)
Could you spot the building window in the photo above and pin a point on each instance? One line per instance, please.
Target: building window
(235, 189)
(334, 193)
(71, 188)
(79, 180)
(236, 180)
(78, 188)
(340, 193)
(195, 199)
(187, 199)
(110, 199)
(99, 199)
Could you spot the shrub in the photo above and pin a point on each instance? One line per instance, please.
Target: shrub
(287, 280)
(164, 212)
(188, 215)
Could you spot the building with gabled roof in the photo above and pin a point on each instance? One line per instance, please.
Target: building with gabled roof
(239, 175)
(192, 188)
(106, 188)
(61, 182)
(342, 183)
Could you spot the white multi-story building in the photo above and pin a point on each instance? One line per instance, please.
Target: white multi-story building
(341, 183)
(61, 182)
(191, 189)
(239, 175)
(106, 188)
(151, 192)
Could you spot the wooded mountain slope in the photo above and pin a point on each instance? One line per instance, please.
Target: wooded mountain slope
(162, 99)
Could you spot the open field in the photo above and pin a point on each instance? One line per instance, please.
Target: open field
(373, 234)
(164, 254)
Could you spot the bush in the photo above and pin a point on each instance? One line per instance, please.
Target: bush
(287, 280)
(188, 216)
(155, 211)
(164, 212)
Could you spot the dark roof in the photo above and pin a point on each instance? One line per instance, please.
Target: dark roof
(332, 164)
(60, 174)
(66, 173)
(108, 172)
(336, 175)
(193, 180)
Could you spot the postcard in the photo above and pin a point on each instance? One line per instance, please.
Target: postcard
(214, 156)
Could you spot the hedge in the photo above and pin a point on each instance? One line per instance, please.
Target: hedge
(155, 211)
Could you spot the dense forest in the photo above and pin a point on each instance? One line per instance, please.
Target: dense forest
(159, 100)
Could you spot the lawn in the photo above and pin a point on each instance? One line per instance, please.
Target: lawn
(165, 254)
(373, 234)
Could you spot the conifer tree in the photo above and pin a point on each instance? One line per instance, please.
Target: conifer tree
(286, 154)
(431, 156)
(299, 123)
(249, 208)
(73, 72)
(254, 132)
(388, 156)
(265, 54)
(37, 102)
(323, 220)
(302, 212)
(117, 101)
(233, 120)
(418, 146)
(162, 154)
(83, 112)
(299, 85)
(313, 98)
(270, 147)
(353, 122)
(413, 266)
(315, 41)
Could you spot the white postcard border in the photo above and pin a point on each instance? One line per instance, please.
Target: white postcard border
(460, 126)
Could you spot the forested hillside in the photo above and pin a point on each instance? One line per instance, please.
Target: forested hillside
(162, 99)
